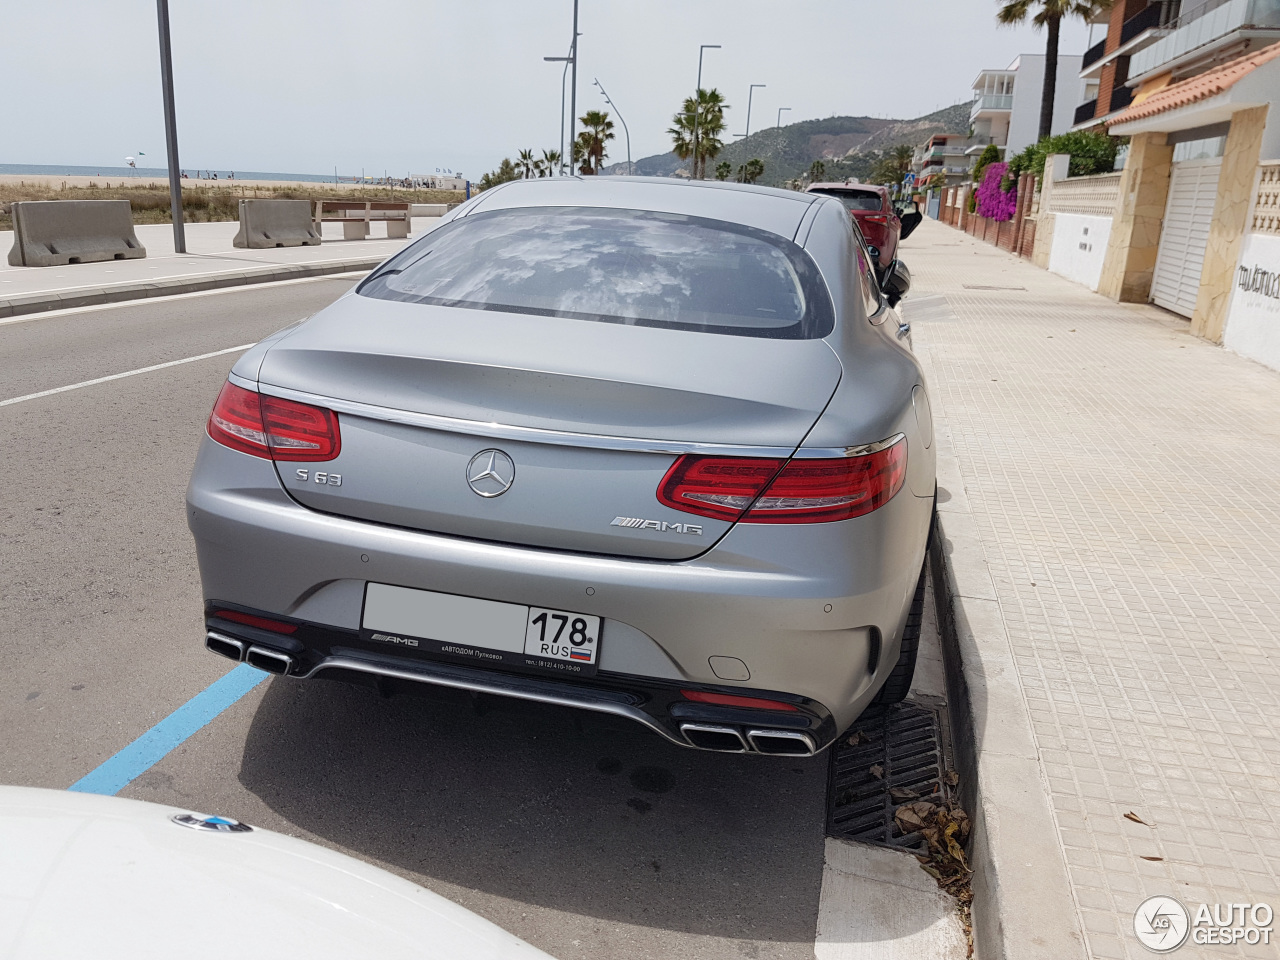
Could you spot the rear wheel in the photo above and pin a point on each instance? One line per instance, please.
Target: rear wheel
(895, 689)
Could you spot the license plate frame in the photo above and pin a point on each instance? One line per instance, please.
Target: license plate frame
(491, 633)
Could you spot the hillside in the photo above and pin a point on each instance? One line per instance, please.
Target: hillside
(788, 151)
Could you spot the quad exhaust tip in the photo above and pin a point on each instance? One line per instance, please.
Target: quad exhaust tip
(271, 661)
(784, 743)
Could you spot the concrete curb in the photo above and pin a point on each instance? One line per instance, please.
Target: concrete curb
(1023, 906)
(91, 296)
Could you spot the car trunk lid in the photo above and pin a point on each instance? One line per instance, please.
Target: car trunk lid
(591, 416)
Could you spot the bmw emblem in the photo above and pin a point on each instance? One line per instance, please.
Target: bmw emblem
(198, 821)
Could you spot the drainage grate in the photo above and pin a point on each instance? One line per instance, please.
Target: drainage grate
(905, 741)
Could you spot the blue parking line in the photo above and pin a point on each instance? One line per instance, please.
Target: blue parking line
(150, 748)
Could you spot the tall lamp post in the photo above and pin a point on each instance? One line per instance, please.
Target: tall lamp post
(572, 60)
(563, 76)
(697, 103)
(624, 122)
(750, 93)
(780, 109)
(171, 128)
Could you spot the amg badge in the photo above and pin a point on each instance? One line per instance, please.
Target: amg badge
(639, 523)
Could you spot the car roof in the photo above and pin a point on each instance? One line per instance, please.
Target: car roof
(765, 208)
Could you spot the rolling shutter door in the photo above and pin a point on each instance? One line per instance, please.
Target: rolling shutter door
(1193, 189)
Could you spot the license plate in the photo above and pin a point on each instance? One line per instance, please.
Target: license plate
(480, 631)
(560, 635)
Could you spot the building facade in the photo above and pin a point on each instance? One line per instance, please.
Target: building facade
(1006, 103)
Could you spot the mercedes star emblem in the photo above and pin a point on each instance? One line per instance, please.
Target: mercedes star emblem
(491, 473)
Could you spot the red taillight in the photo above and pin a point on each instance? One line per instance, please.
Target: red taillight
(805, 491)
(877, 218)
(249, 620)
(719, 487)
(272, 428)
(733, 700)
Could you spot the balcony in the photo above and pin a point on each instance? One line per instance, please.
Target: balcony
(1093, 54)
(1152, 16)
(1087, 111)
(1208, 26)
(991, 102)
(1121, 97)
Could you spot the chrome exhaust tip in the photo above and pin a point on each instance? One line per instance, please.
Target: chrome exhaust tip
(720, 739)
(269, 660)
(227, 647)
(784, 743)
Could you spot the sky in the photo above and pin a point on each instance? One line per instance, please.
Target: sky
(408, 86)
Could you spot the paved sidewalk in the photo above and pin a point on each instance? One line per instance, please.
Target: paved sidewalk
(211, 261)
(1124, 478)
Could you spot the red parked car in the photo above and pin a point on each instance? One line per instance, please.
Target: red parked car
(873, 212)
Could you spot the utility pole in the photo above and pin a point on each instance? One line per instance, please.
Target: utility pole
(750, 93)
(564, 74)
(624, 122)
(697, 104)
(171, 128)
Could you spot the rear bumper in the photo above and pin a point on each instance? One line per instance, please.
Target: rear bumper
(817, 615)
(801, 728)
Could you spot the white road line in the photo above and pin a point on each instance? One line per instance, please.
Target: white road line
(127, 373)
(140, 301)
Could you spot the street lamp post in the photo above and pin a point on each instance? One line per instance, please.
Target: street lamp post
(563, 76)
(624, 122)
(570, 60)
(697, 104)
(750, 93)
(171, 128)
(780, 109)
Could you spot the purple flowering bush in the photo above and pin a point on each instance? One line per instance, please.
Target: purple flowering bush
(993, 202)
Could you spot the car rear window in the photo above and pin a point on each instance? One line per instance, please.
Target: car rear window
(615, 266)
(855, 201)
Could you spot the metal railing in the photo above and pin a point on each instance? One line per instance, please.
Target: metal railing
(1121, 97)
(1202, 26)
(1087, 110)
(1093, 54)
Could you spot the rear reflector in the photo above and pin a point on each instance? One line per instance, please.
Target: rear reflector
(273, 428)
(877, 218)
(249, 620)
(733, 700)
(803, 491)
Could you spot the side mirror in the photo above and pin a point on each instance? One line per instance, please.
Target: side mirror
(896, 282)
(909, 222)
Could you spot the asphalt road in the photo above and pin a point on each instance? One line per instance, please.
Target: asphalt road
(586, 835)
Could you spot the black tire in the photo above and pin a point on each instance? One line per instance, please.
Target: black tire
(898, 685)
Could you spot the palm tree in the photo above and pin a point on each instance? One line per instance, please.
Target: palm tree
(1050, 13)
(723, 169)
(550, 163)
(707, 113)
(750, 171)
(525, 164)
(711, 108)
(597, 132)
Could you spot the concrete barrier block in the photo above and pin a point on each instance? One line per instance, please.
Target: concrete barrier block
(54, 233)
(276, 223)
(429, 209)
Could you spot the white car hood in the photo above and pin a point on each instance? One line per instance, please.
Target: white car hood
(91, 876)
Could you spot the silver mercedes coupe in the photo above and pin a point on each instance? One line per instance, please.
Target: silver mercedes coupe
(650, 448)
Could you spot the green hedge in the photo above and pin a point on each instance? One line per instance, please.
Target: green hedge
(1091, 152)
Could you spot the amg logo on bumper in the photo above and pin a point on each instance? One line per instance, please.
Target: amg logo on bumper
(387, 638)
(639, 523)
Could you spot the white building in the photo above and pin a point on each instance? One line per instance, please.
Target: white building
(1006, 103)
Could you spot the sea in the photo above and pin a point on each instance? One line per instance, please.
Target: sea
(48, 170)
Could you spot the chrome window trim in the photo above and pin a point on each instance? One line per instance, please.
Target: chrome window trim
(502, 431)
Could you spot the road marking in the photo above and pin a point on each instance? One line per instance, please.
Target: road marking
(152, 747)
(121, 376)
(139, 301)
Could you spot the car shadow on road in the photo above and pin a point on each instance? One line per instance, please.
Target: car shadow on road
(576, 812)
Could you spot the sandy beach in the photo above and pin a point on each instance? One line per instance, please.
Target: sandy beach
(55, 181)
